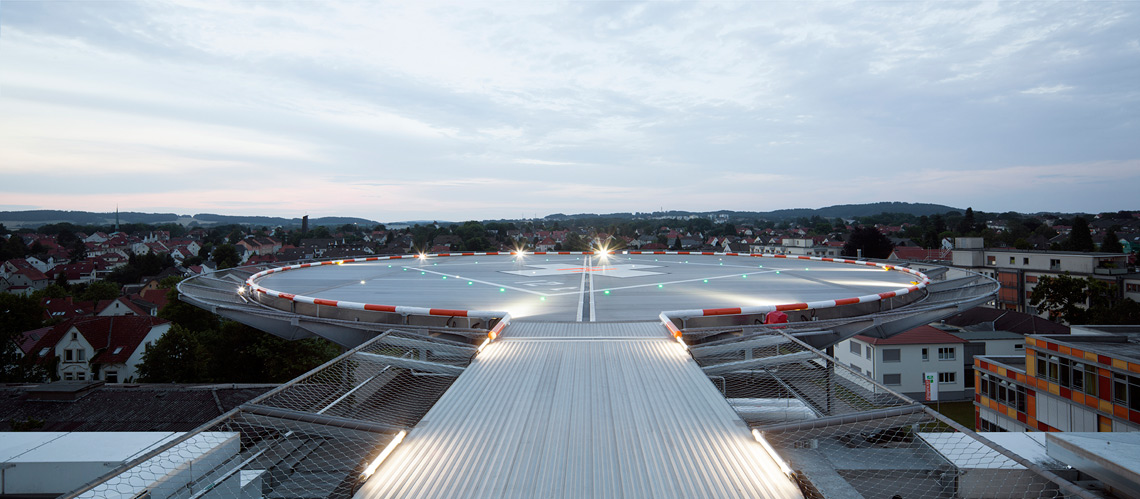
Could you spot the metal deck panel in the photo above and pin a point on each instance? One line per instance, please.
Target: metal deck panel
(573, 418)
(585, 330)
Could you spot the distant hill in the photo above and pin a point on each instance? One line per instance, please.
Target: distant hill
(846, 211)
(864, 210)
(36, 218)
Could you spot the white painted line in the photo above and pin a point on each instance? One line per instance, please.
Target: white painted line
(593, 312)
(582, 292)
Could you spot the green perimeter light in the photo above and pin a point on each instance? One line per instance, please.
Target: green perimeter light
(706, 280)
(502, 290)
(660, 285)
(606, 292)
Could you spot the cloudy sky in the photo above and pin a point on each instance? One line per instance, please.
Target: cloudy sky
(415, 110)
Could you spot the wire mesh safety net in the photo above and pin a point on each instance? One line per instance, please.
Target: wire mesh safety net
(312, 437)
(844, 435)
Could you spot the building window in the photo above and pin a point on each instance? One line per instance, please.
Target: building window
(81, 376)
(1025, 261)
(1012, 260)
(68, 377)
(111, 376)
(68, 355)
(991, 260)
(892, 379)
(856, 348)
(1120, 388)
(80, 355)
(947, 377)
(74, 336)
(925, 354)
(868, 352)
(1019, 346)
(891, 355)
(946, 353)
(1054, 264)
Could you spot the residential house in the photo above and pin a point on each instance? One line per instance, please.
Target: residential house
(900, 362)
(121, 306)
(98, 348)
(66, 308)
(260, 245)
(25, 280)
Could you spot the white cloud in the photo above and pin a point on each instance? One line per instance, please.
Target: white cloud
(572, 107)
(1047, 89)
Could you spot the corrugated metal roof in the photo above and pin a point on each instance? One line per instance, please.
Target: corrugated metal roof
(579, 418)
(586, 330)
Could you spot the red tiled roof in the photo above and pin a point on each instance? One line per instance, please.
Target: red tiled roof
(31, 274)
(66, 308)
(100, 306)
(920, 335)
(28, 339)
(105, 334)
(916, 253)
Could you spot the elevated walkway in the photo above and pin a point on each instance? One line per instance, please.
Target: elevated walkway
(581, 410)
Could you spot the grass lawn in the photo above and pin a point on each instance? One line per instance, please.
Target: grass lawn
(960, 412)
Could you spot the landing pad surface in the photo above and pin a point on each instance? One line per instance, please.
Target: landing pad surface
(587, 288)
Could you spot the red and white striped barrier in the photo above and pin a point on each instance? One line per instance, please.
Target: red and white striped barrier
(251, 283)
(921, 283)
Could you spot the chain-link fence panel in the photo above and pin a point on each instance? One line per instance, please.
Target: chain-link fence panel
(844, 435)
(317, 436)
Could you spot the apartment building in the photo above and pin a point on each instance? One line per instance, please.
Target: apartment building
(900, 361)
(1019, 270)
(1087, 381)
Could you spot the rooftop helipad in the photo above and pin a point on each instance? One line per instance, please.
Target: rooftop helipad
(600, 288)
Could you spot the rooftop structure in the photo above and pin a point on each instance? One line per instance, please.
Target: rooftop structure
(731, 400)
(1086, 381)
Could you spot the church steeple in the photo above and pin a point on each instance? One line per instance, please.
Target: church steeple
(116, 218)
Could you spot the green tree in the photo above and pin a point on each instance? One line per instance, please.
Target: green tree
(225, 256)
(1080, 239)
(14, 247)
(177, 357)
(873, 243)
(1111, 243)
(100, 290)
(967, 223)
(20, 313)
(574, 242)
(1063, 298)
(1074, 300)
(187, 315)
